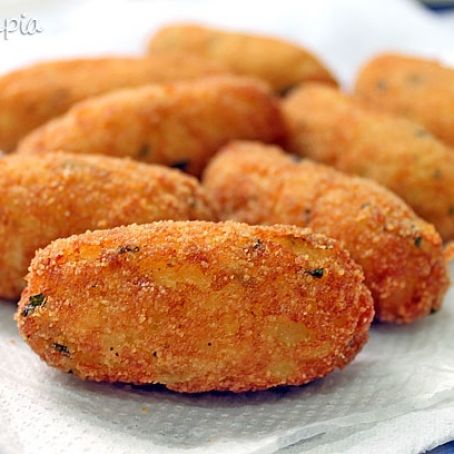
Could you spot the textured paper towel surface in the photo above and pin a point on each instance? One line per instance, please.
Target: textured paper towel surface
(398, 396)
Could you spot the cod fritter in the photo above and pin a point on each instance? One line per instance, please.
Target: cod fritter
(180, 125)
(196, 306)
(332, 128)
(401, 255)
(56, 195)
(420, 89)
(31, 96)
(282, 64)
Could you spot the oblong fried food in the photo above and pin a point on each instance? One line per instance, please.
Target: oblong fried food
(31, 96)
(282, 64)
(332, 128)
(59, 194)
(416, 88)
(180, 125)
(196, 306)
(401, 255)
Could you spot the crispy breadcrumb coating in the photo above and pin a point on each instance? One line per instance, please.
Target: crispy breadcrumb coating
(31, 96)
(282, 64)
(330, 127)
(180, 125)
(401, 255)
(57, 194)
(196, 306)
(419, 89)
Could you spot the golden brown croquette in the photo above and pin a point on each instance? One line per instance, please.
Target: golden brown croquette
(282, 64)
(31, 96)
(57, 194)
(180, 125)
(335, 129)
(196, 306)
(401, 255)
(419, 89)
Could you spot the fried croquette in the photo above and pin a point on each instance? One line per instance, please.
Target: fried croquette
(180, 125)
(401, 255)
(196, 306)
(58, 194)
(31, 96)
(282, 64)
(416, 88)
(333, 128)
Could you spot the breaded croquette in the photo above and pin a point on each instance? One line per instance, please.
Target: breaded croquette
(181, 125)
(196, 306)
(58, 194)
(401, 255)
(333, 128)
(282, 64)
(31, 96)
(416, 88)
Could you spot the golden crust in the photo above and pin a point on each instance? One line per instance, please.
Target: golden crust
(419, 89)
(59, 194)
(282, 64)
(196, 306)
(401, 255)
(31, 96)
(330, 127)
(179, 125)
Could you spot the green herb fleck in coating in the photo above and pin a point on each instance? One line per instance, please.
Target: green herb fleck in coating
(33, 302)
(63, 349)
(316, 272)
(128, 248)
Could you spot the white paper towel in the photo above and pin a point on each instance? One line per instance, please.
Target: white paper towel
(398, 396)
